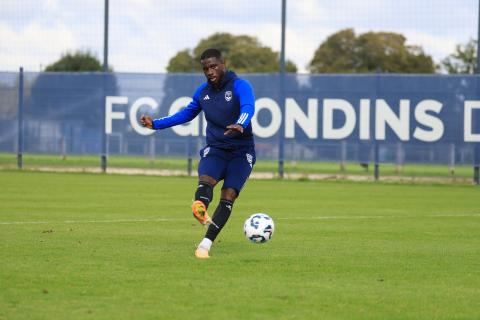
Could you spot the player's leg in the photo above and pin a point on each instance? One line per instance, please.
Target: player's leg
(203, 197)
(237, 173)
(219, 219)
(211, 169)
(222, 213)
(204, 190)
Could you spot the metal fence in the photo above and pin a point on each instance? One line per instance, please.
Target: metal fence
(365, 119)
(64, 113)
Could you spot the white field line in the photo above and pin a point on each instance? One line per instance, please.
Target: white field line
(95, 221)
(111, 221)
(381, 217)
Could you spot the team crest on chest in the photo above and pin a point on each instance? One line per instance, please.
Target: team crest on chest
(228, 95)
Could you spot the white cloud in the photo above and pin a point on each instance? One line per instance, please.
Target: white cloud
(143, 3)
(145, 34)
(33, 45)
(306, 10)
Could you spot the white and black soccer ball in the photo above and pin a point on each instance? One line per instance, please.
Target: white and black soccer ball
(259, 228)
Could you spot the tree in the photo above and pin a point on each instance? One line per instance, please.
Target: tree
(76, 62)
(464, 60)
(344, 52)
(244, 54)
(182, 62)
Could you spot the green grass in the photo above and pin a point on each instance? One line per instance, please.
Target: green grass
(32, 161)
(93, 246)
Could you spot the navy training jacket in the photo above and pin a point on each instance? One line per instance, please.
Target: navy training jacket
(231, 102)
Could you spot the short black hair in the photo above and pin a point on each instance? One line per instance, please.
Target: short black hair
(211, 53)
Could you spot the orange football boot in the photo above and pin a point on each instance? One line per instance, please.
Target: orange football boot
(200, 212)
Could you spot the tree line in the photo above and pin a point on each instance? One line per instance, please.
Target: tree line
(342, 52)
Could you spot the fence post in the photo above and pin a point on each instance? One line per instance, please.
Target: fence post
(281, 142)
(476, 148)
(63, 147)
(399, 158)
(190, 156)
(451, 158)
(476, 164)
(343, 155)
(105, 70)
(20, 120)
(376, 151)
(152, 148)
(376, 171)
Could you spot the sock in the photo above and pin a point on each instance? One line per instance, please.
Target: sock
(206, 244)
(220, 218)
(204, 193)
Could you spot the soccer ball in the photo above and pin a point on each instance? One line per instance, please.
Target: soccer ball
(259, 228)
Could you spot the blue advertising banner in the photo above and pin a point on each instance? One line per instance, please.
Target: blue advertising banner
(387, 108)
(65, 110)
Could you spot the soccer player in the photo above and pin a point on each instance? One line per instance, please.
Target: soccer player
(229, 155)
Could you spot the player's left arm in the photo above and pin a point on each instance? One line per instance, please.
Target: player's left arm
(243, 90)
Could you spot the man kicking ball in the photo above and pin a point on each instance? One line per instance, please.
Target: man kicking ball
(229, 155)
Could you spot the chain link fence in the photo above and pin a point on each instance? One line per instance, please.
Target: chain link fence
(63, 123)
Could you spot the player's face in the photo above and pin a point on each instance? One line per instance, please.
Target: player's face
(213, 69)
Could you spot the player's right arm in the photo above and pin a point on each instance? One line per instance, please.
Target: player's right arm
(182, 116)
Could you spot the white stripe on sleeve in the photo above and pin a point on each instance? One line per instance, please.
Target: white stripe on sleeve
(242, 118)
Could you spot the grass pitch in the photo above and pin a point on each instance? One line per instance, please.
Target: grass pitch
(86, 246)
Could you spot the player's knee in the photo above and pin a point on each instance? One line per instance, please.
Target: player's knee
(208, 179)
(229, 194)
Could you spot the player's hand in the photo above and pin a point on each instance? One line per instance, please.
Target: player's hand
(233, 128)
(146, 121)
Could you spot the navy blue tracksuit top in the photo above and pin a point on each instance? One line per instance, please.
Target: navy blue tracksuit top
(231, 102)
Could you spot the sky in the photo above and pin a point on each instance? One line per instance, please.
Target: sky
(145, 34)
